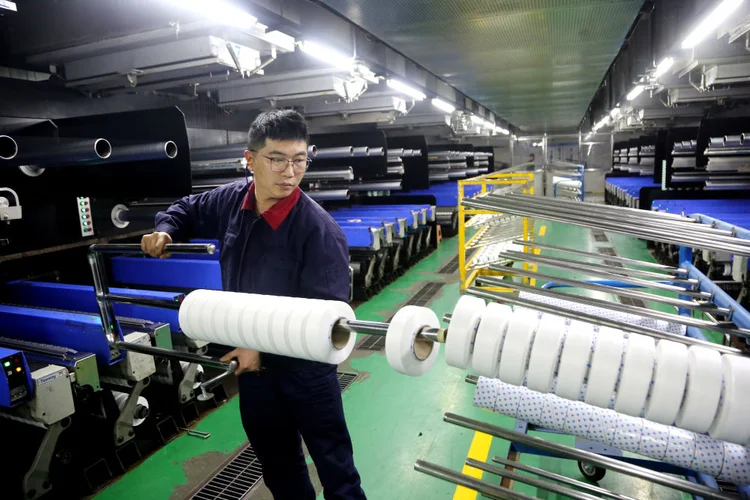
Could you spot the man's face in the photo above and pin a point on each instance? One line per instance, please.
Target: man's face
(269, 182)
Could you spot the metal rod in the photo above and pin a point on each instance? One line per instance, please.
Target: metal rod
(342, 152)
(451, 476)
(561, 479)
(590, 318)
(718, 243)
(622, 292)
(532, 481)
(625, 279)
(598, 256)
(160, 352)
(140, 301)
(139, 152)
(638, 311)
(636, 273)
(586, 456)
(174, 248)
(46, 151)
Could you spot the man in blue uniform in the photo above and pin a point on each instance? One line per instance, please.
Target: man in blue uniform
(275, 240)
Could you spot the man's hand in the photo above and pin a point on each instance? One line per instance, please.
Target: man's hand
(247, 360)
(153, 244)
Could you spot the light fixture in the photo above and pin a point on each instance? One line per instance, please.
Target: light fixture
(663, 67)
(219, 11)
(328, 55)
(638, 90)
(406, 89)
(443, 106)
(711, 22)
(477, 119)
(614, 113)
(501, 130)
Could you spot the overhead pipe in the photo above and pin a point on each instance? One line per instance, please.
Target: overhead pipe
(377, 186)
(342, 152)
(229, 151)
(141, 152)
(329, 194)
(377, 152)
(343, 174)
(396, 152)
(45, 151)
(361, 151)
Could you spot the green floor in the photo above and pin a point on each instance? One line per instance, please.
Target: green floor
(394, 420)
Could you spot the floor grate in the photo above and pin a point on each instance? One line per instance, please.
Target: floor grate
(372, 343)
(452, 266)
(632, 302)
(612, 253)
(235, 480)
(346, 379)
(600, 236)
(425, 294)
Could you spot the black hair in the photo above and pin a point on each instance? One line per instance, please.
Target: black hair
(278, 125)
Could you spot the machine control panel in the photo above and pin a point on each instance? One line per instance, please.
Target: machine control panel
(15, 382)
(84, 216)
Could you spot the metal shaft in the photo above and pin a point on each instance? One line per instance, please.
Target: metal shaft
(586, 456)
(675, 237)
(451, 476)
(561, 479)
(175, 248)
(615, 216)
(638, 311)
(598, 256)
(532, 481)
(174, 355)
(590, 318)
(622, 292)
(625, 279)
(637, 273)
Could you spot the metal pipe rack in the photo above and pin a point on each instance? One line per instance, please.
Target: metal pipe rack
(692, 292)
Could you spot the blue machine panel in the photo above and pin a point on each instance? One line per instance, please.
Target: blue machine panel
(358, 237)
(82, 332)
(174, 273)
(342, 221)
(16, 385)
(82, 298)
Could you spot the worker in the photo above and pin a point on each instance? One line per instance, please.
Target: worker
(275, 240)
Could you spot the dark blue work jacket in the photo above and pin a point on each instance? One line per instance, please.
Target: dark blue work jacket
(305, 256)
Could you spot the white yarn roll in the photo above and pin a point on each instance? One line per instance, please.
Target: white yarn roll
(574, 361)
(517, 346)
(400, 348)
(670, 377)
(605, 367)
(703, 390)
(463, 327)
(122, 397)
(637, 371)
(265, 323)
(732, 422)
(545, 354)
(488, 344)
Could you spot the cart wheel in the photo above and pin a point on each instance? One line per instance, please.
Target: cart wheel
(591, 472)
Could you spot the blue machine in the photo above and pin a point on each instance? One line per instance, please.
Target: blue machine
(83, 299)
(179, 273)
(16, 385)
(420, 212)
(82, 332)
(399, 227)
(412, 217)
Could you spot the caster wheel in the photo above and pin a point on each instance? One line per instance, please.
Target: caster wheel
(591, 472)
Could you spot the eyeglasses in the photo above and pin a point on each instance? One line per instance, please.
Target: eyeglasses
(279, 164)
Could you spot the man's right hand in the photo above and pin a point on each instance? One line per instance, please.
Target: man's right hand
(153, 244)
(247, 360)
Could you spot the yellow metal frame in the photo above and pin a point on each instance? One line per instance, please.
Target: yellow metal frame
(525, 181)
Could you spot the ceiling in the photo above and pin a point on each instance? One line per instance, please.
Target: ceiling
(536, 63)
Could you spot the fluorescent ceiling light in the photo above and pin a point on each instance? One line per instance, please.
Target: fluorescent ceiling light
(711, 22)
(501, 130)
(663, 67)
(478, 120)
(331, 56)
(443, 106)
(406, 89)
(638, 90)
(219, 11)
(614, 113)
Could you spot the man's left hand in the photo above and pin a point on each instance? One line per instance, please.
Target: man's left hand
(247, 360)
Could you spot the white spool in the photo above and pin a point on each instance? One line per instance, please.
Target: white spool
(603, 425)
(295, 331)
(485, 394)
(531, 406)
(578, 419)
(463, 327)
(485, 360)
(508, 399)
(276, 336)
(681, 447)
(122, 397)
(517, 346)
(545, 354)
(735, 468)
(605, 367)
(574, 360)
(732, 422)
(234, 319)
(709, 455)
(319, 336)
(199, 372)
(703, 390)
(637, 370)
(554, 413)
(628, 433)
(654, 440)
(670, 377)
(255, 322)
(404, 352)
